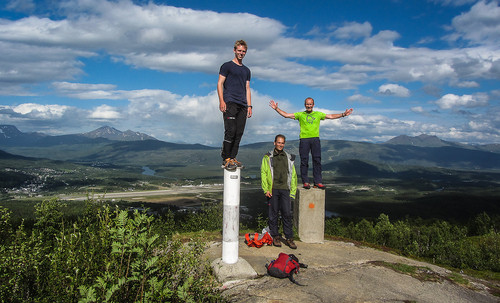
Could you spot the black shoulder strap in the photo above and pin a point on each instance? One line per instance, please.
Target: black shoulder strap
(290, 277)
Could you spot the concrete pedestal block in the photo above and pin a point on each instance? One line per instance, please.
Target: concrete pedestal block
(309, 215)
(241, 270)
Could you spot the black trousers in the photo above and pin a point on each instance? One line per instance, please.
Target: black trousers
(280, 202)
(235, 119)
(313, 146)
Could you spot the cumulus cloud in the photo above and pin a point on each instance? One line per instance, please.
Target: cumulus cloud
(480, 25)
(450, 101)
(417, 109)
(394, 90)
(39, 111)
(21, 5)
(24, 64)
(468, 84)
(173, 39)
(362, 99)
(86, 91)
(353, 30)
(105, 112)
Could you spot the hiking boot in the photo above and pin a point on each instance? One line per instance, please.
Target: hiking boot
(224, 163)
(290, 243)
(306, 185)
(320, 186)
(276, 241)
(237, 163)
(228, 164)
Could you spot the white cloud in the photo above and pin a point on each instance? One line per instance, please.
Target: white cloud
(105, 112)
(173, 39)
(467, 84)
(450, 101)
(362, 99)
(496, 93)
(481, 24)
(21, 5)
(417, 109)
(87, 91)
(23, 64)
(40, 111)
(394, 90)
(353, 30)
(70, 87)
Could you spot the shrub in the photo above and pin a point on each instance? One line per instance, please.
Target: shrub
(107, 255)
(437, 240)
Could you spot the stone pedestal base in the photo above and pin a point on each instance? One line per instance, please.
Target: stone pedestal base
(309, 215)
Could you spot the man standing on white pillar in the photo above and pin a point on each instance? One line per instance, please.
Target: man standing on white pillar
(235, 102)
(279, 183)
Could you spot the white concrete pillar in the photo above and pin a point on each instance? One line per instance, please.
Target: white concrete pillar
(231, 216)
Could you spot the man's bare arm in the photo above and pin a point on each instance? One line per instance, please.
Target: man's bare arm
(336, 116)
(274, 105)
(220, 92)
(249, 100)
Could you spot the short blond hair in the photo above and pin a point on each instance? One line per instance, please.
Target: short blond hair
(240, 42)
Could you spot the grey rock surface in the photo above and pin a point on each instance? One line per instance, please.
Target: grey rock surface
(343, 272)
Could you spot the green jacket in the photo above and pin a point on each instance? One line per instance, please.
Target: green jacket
(266, 173)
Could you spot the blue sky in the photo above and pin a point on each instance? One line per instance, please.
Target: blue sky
(405, 67)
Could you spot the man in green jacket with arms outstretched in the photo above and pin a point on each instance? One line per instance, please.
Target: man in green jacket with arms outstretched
(279, 183)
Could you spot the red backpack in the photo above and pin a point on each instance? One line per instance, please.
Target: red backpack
(285, 266)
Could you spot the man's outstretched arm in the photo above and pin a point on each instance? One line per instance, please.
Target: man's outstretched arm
(274, 105)
(336, 116)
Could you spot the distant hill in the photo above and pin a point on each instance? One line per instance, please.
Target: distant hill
(11, 136)
(455, 156)
(422, 141)
(111, 146)
(154, 152)
(8, 156)
(113, 134)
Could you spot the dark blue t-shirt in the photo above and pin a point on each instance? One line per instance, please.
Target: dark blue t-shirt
(235, 84)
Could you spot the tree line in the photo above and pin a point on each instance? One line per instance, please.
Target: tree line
(475, 245)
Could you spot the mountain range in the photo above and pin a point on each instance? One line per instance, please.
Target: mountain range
(109, 145)
(11, 136)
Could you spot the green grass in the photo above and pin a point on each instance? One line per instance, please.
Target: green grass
(418, 272)
(458, 279)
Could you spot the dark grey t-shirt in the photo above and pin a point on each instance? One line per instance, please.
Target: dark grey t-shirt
(235, 84)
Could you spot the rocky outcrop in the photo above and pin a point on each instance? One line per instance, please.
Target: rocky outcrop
(344, 272)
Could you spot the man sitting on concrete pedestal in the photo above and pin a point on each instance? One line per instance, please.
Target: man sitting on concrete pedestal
(279, 183)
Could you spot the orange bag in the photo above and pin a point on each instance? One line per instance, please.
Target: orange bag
(259, 240)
